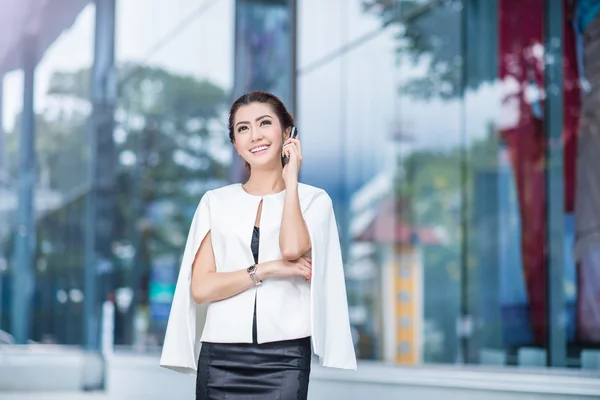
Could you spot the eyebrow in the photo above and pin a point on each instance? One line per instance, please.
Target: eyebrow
(257, 119)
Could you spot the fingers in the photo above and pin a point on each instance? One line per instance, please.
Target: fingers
(292, 146)
(306, 267)
(296, 142)
(305, 272)
(289, 150)
(307, 261)
(292, 140)
(301, 267)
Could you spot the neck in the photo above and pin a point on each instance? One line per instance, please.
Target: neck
(265, 181)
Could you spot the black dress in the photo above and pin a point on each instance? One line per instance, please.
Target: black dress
(245, 371)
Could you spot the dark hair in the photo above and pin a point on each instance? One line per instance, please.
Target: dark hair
(285, 118)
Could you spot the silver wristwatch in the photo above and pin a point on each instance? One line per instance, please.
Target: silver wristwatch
(252, 272)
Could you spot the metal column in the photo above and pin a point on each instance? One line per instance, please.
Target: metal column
(553, 125)
(292, 105)
(465, 317)
(23, 278)
(1, 123)
(100, 199)
(2, 262)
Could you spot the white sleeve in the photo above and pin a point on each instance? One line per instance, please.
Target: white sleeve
(332, 339)
(181, 348)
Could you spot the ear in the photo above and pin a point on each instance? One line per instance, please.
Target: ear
(286, 133)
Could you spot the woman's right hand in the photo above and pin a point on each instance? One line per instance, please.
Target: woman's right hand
(284, 268)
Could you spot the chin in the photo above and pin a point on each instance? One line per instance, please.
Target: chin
(265, 164)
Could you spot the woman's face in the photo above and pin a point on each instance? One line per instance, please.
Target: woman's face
(258, 135)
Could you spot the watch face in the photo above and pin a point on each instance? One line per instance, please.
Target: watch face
(251, 268)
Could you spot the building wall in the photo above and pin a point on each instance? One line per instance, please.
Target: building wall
(445, 101)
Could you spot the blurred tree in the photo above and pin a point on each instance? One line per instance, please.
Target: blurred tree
(170, 138)
(431, 184)
(431, 36)
(431, 191)
(443, 46)
(170, 142)
(171, 146)
(60, 149)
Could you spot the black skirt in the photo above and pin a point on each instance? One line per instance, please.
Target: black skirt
(244, 371)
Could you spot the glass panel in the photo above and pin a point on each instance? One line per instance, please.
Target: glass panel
(429, 182)
(499, 298)
(319, 31)
(425, 122)
(582, 219)
(175, 65)
(12, 104)
(346, 111)
(62, 108)
(406, 115)
(435, 153)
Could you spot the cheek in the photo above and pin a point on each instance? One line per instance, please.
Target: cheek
(237, 145)
(275, 135)
(240, 139)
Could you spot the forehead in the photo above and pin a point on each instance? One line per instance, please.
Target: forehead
(252, 111)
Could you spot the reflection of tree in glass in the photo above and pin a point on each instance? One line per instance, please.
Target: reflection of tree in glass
(170, 140)
(60, 134)
(168, 135)
(171, 146)
(429, 38)
(431, 190)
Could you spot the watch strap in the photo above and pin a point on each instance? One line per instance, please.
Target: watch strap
(252, 272)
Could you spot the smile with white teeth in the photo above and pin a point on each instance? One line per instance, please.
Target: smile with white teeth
(259, 149)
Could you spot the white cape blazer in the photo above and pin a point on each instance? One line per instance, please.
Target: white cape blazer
(331, 337)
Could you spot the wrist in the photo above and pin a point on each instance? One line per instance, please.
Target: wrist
(263, 270)
(291, 185)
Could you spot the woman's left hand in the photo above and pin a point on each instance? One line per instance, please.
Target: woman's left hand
(293, 150)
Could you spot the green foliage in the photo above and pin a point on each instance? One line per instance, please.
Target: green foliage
(433, 197)
(170, 144)
(428, 37)
(432, 181)
(171, 125)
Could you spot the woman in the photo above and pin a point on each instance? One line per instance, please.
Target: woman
(261, 277)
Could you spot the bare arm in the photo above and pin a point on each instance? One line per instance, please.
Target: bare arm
(210, 286)
(207, 284)
(294, 240)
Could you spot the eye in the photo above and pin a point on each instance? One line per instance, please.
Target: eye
(241, 128)
(265, 121)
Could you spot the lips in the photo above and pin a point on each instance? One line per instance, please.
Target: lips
(259, 149)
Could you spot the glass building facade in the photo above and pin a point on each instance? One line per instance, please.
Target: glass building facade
(457, 140)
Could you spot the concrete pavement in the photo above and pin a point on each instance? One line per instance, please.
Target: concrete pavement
(53, 396)
(139, 377)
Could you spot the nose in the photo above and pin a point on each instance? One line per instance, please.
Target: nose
(255, 134)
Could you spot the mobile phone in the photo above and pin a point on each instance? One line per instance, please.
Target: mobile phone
(293, 135)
